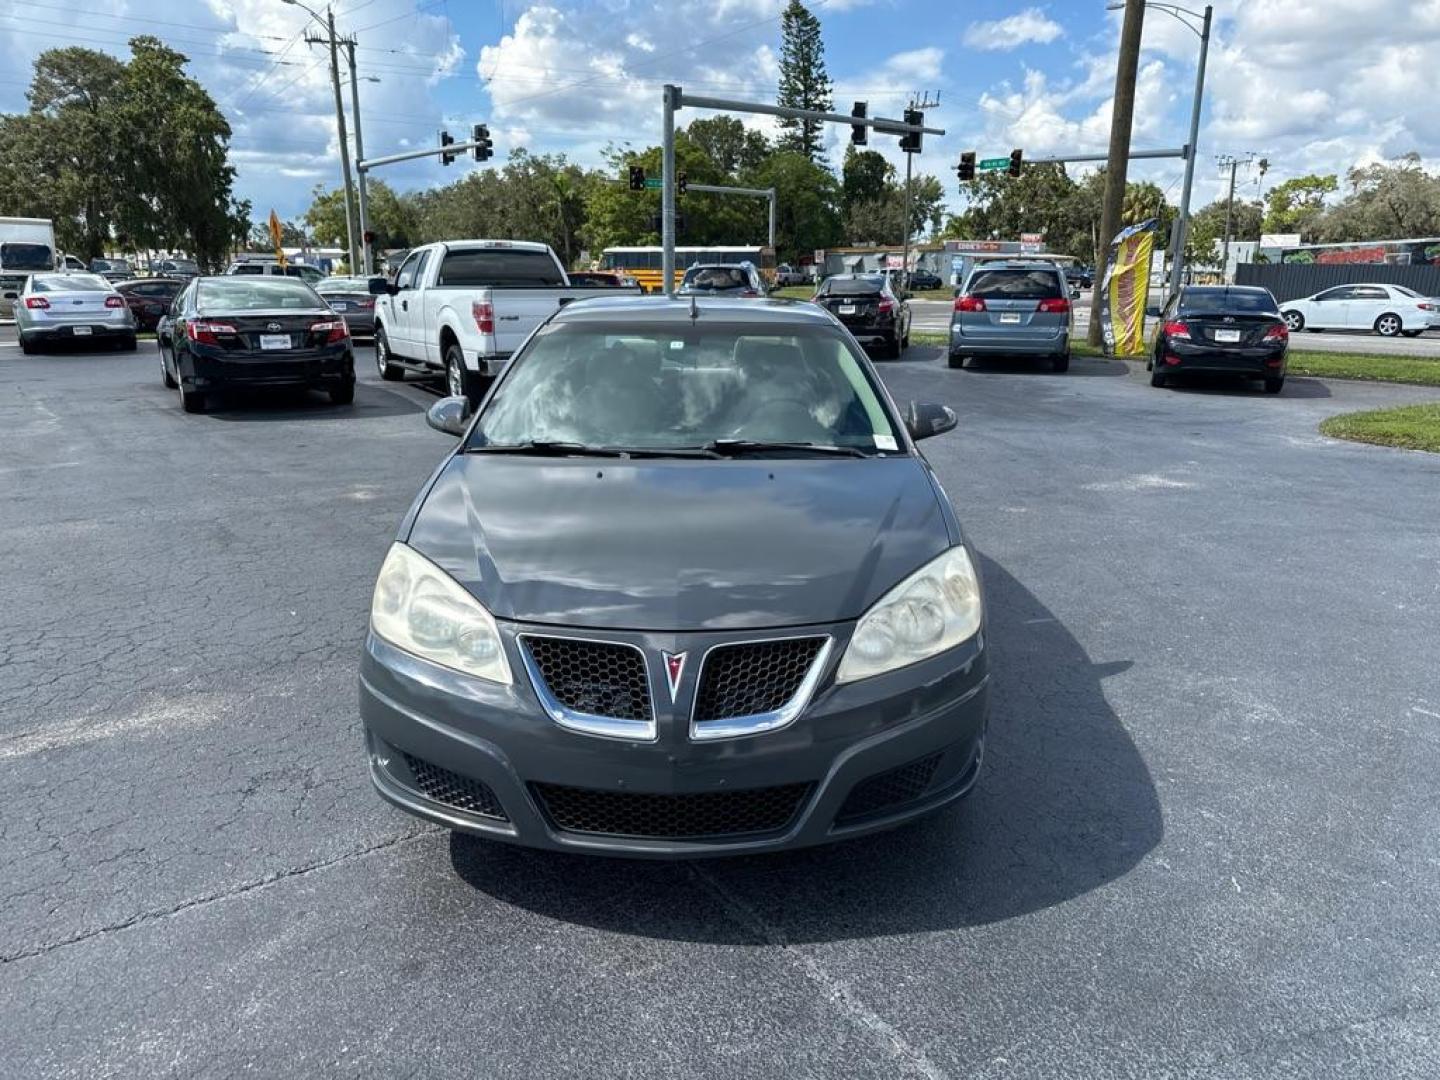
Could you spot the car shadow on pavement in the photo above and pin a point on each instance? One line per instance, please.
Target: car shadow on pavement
(1065, 804)
(1080, 366)
(254, 406)
(1237, 386)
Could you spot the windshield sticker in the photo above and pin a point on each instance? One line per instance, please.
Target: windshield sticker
(886, 442)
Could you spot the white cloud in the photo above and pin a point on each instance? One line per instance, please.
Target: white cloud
(917, 65)
(1010, 33)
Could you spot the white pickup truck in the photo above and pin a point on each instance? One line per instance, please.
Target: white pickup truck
(464, 306)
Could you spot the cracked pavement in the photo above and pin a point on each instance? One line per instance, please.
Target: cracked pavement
(1206, 843)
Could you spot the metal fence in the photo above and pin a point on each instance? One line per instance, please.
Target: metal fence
(1289, 280)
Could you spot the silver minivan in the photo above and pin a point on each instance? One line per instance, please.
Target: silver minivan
(1012, 308)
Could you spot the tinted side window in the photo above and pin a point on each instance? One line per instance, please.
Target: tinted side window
(405, 279)
(1342, 293)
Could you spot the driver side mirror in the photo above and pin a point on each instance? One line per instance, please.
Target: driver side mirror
(925, 418)
(450, 415)
(379, 286)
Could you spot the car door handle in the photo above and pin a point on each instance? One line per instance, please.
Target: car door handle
(404, 305)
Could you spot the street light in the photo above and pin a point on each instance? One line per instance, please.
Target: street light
(328, 25)
(1182, 220)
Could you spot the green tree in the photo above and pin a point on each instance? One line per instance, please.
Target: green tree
(804, 82)
(1385, 201)
(1043, 199)
(865, 177)
(1292, 207)
(808, 197)
(729, 143)
(1207, 229)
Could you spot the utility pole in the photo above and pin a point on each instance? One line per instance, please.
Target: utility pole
(1182, 219)
(364, 213)
(1121, 117)
(919, 102)
(1233, 163)
(344, 144)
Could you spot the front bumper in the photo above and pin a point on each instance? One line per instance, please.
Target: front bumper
(211, 369)
(1252, 360)
(862, 757)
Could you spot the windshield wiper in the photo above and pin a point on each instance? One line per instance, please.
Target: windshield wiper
(738, 447)
(548, 448)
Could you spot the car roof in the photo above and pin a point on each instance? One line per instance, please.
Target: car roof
(1016, 264)
(1208, 290)
(651, 309)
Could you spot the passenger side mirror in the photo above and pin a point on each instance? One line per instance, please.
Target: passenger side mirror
(379, 286)
(925, 418)
(450, 415)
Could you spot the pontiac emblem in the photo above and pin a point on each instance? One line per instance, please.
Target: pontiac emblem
(674, 668)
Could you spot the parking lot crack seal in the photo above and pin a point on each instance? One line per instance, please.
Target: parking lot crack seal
(836, 990)
(209, 898)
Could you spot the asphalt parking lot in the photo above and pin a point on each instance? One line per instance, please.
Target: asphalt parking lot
(1206, 843)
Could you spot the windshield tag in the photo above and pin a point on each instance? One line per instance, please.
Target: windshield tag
(886, 442)
(677, 345)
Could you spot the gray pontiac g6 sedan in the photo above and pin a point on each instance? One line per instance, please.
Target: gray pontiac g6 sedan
(685, 586)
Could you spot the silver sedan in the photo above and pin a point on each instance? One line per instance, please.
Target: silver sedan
(54, 308)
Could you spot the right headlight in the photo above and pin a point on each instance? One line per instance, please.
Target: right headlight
(423, 610)
(934, 609)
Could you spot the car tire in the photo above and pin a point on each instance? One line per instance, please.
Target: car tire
(957, 360)
(458, 381)
(343, 394)
(1388, 325)
(1158, 378)
(1061, 363)
(1411, 333)
(165, 376)
(1294, 320)
(26, 347)
(388, 371)
(192, 401)
(129, 344)
(896, 346)
(1274, 385)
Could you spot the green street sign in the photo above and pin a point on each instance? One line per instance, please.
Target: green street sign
(653, 183)
(995, 163)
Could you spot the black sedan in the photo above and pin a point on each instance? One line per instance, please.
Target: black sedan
(254, 331)
(925, 279)
(1223, 329)
(870, 309)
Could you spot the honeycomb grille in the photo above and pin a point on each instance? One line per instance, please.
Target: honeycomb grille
(702, 815)
(452, 789)
(886, 790)
(594, 677)
(745, 680)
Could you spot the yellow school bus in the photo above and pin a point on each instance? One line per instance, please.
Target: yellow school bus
(643, 263)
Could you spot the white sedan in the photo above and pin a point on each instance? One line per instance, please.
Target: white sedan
(1386, 309)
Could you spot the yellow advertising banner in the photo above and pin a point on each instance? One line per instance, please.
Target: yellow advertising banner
(1127, 288)
(275, 236)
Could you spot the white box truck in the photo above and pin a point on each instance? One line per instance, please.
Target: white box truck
(26, 245)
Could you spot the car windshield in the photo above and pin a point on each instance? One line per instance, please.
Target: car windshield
(43, 283)
(256, 294)
(1015, 283)
(861, 286)
(715, 278)
(1219, 301)
(687, 387)
(26, 257)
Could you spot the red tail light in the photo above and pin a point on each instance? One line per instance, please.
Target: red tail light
(208, 333)
(885, 305)
(969, 303)
(114, 301)
(36, 302)
(1177, 330)
(1278, 332)
(334, 330)
(484, 316)
(365, 305)
(1055, 305)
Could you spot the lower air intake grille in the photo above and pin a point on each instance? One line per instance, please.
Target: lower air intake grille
(672, 817)
(887, 790)
(594, 677)
(452, 789)
(746, 680)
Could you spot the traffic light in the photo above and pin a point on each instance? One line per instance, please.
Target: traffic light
(1015, 157)
(680, 183)
(911, 141)
(447, 157)
(484, 148)
(859, 132)
(966, 168)
(637, 178)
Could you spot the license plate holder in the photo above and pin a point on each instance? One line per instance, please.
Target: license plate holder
(274, 341)
(80, 331)
(1009, 317)
(847, 309)
(1230, 336)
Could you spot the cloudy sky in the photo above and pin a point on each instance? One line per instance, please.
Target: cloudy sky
(1313, 85)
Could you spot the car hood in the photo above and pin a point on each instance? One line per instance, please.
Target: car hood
(680, 545)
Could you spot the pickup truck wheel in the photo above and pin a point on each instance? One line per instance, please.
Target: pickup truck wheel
(388, 371)
(458, 381)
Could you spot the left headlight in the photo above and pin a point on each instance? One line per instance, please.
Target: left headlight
(934, 609)
(423, 610)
